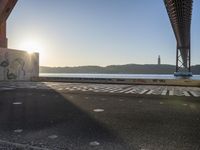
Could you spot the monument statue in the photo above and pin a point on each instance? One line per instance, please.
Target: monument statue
(6, 7)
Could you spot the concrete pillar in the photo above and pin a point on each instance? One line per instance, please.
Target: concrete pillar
(6, 7)
(3, 39)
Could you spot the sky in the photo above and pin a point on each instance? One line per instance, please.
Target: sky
(98, 32)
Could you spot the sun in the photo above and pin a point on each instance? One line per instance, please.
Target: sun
(31, 46)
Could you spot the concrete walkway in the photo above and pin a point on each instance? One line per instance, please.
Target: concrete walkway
(105, 88)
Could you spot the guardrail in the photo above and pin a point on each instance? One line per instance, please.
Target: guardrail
(169, 82)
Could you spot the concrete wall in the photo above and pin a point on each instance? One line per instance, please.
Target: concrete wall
(18, 65)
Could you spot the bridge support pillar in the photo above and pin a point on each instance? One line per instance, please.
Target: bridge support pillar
(3, 38)
(183, 67)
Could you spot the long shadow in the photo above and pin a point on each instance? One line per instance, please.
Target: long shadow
(46, 109)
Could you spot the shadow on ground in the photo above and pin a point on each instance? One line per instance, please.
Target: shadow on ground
(46, 112)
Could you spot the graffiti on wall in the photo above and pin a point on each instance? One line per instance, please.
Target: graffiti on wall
(18, 65)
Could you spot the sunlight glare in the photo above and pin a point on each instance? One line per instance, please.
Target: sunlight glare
(31, 46)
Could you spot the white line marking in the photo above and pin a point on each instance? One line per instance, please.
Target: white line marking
(124, 90)
(98, 110)
(143, 91)
(72, 89)
(150, 92)
(116, 90)
(17, 103)
(52, 136)
(131, 91)
(90, 89)
(18, 130)
(84, 90)
(164, 92)
(171, 92)
(185, 93)
(194, 94)
(94, 143)
(34, 87)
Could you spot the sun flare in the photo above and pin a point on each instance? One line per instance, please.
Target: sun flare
(31, 46)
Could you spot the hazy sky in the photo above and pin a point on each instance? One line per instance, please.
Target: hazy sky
(98, 32)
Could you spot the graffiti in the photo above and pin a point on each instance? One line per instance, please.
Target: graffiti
(18, 65)
(11, 76)
(4, 64)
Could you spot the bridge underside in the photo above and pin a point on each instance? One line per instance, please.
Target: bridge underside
(180, 13)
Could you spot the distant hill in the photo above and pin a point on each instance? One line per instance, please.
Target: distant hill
(118, 69)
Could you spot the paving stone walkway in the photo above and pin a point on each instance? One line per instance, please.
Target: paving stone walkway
(106, 88)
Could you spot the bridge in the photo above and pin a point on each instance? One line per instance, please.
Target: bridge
(6, 7)
(86, 116)
(179, 11)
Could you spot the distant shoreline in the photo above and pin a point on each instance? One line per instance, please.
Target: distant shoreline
(118, 69)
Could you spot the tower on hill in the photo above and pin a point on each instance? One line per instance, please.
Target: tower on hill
(159, 60)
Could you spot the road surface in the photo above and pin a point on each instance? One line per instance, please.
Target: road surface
(69, 116)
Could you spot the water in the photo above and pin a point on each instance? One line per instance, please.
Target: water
(121, 76)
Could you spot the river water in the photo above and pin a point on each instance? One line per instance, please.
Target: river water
(121, 76)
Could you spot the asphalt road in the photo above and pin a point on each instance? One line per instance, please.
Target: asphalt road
(76, 120)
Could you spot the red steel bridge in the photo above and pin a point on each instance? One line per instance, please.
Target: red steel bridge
(179, 11)
(6, 7)
(180, 14)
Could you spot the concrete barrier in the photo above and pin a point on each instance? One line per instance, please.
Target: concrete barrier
(169, 82)
(18, 65)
